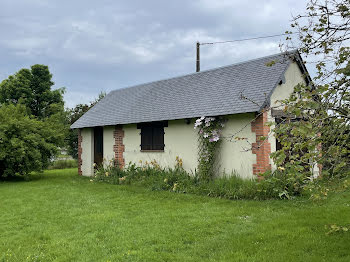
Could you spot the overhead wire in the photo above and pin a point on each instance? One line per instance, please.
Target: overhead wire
(246, 39)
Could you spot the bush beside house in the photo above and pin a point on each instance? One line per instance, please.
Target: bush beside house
(151, 175)
(26, 144)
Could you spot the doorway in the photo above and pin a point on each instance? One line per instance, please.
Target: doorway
(98, 145)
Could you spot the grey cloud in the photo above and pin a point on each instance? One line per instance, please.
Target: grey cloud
(103, 45)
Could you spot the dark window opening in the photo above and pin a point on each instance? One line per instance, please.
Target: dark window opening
(278, 143)
(281, 121)
(98, 145)
(152, 136)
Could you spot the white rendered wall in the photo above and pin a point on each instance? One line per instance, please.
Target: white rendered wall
(108, 143)
(235, 154)
(88, 151)
(180, 140)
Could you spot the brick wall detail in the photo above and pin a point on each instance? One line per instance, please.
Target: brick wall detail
(119, 147)
(262, 148)
(80, 152)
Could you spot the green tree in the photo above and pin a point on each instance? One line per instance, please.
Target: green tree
(73, 115)
(33, 121)
(321, 133)
(26, 143)
(33, 88)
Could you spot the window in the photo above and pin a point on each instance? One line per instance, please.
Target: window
(278, 143)
(280, 118)
(281, 121)
(152, 136)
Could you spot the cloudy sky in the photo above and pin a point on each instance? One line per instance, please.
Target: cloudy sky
(93, 46)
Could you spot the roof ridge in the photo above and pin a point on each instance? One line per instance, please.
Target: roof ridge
(205, 71)
(127, 106)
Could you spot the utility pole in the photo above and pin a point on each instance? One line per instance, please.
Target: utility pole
(198, 65)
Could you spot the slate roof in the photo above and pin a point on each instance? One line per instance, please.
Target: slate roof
(208, 93)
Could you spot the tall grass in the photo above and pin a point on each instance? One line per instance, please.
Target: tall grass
(62, 164)
(152, 176)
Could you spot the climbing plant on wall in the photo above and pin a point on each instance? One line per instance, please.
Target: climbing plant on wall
(209, 135)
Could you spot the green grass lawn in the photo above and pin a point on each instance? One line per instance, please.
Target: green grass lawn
(59, 216)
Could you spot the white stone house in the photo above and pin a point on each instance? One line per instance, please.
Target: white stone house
(155, 121)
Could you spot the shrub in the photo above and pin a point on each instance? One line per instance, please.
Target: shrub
(110, 173)
(283, 184)
(26, 144)
(150, 175)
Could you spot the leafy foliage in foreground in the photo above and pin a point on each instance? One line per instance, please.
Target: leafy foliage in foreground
(278, 185)
(316, 130)
(26, 144)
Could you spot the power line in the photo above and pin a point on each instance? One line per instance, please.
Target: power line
(198, 44)
(245, 39)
